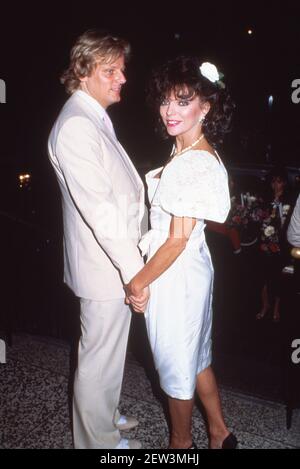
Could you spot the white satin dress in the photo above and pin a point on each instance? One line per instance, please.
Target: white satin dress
(179, 312)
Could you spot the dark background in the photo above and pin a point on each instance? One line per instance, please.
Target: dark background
(35, 44)
(35, 41)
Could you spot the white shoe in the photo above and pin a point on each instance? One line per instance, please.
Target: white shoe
(128, 444)
(126, 423)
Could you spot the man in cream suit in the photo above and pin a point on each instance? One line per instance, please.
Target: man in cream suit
(103, 205)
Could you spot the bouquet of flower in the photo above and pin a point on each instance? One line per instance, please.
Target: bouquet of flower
(246, 215)
(238, 214)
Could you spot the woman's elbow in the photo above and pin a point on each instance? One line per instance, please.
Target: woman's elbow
(178, 244)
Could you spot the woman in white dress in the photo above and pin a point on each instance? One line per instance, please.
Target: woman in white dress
(190, 188)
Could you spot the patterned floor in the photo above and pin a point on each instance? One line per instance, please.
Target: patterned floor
(34, 404)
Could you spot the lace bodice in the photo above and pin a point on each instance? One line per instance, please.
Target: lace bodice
(193, 185)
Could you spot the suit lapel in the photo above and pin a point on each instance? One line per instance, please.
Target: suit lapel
(132, 172)
(127, 163)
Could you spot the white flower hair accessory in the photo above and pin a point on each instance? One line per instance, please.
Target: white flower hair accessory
(212, 74)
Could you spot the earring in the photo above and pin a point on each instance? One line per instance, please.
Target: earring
(201, 119)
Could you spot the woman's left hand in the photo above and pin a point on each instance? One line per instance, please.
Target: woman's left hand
(130, 290)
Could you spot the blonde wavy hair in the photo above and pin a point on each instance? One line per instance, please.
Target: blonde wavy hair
(90, 49)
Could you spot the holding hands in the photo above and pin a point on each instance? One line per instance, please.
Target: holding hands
(137, 297)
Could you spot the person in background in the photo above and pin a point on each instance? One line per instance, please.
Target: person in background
(272, 243)
(103, 205)
(293, 231)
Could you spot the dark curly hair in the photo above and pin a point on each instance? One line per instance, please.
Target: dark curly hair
(183, 77)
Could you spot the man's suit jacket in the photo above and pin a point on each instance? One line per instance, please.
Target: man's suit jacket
(102, 199)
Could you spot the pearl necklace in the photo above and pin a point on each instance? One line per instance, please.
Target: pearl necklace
(174, 153)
